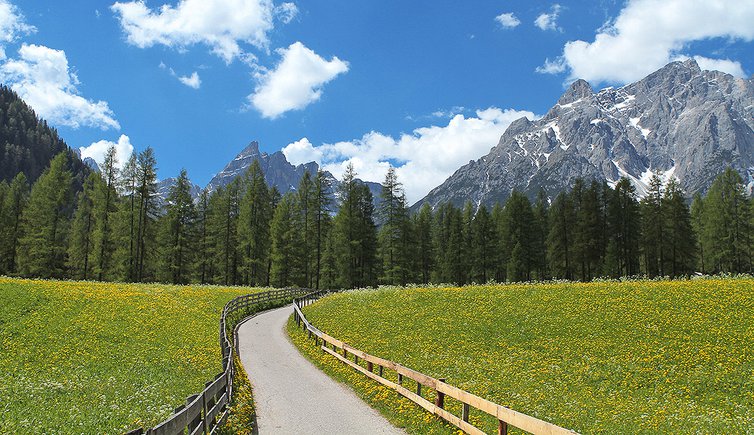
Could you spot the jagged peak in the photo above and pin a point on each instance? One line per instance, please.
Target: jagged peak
(251, 149)
(578, 90)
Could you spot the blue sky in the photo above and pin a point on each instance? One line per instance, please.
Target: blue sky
(424, 86)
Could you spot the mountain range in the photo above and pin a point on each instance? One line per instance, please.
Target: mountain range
(679, 121)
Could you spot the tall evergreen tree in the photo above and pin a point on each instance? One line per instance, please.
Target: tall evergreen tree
(697, 225)
(653, 226)
(307, 206)
(253, 226)
(424, 243)
(560, 238)
(519, 237)
(126, 225)
(727, 230)
(625, 229)
(178, 234)
(204, 245)
(12, 209)
(80, 243)
(42, 249)
(287, 242)
(393, 236)
(679, 245)
(322, 221)
(105, 210)
(540, 230)
(146, 190)
(483, 246)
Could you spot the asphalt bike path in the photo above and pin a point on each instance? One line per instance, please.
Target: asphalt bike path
(292, 395)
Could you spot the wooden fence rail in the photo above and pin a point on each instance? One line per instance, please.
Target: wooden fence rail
(506, 417)
(205, 412)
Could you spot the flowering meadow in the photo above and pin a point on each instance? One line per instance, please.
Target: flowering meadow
(84, 357)
(601, 357)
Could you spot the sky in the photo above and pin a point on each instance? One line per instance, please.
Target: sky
(422, 86)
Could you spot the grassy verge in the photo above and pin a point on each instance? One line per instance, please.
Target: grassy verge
(89, 357)
(615, 357)
(400, 411)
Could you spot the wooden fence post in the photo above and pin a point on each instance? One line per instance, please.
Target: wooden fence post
(440, 399)
(465, 413)
(502, 427)
(193, 424)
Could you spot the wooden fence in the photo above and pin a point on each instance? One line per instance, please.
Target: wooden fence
(506, 417)
(205, 412)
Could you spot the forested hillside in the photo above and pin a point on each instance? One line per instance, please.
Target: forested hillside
(28, 144)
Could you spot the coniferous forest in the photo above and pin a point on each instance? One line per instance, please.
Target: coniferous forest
(246, 233)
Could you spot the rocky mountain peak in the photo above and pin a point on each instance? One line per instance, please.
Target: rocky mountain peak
(679, 121)
(578, 90)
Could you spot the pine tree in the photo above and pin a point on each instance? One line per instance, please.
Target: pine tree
(652, 224)
(286, 244)
(178, 234)
(105, 211)
(355, 234)
(483, 246)
(679, 240)
(697, 225)
(12, 209)
(519, 218)
(625, 229)
(146, 190)
(424, 243)
(559, 239)
(204, 245)
(322, 221)
(80, 243)
(253, 226)
(727, 225)
(393, 235)
(45, 222)
(540, 230)
(125, 227)
(307, 205)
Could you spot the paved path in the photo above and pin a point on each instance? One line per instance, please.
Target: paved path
(292, 395)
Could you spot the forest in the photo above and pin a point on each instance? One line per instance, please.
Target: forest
(246, 233)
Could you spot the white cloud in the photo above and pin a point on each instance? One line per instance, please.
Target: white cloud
(41, 77)
(508, 20)
(192, 81)
(286, 12)
(648, 34)
(731, 67)
(219, 24)
(549, 21)
(552, 66)
(423, 159)
(296, 82)
(12, 25)
(97, 150)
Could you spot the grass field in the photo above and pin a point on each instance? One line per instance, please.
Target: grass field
(630, 357)
(82, 357)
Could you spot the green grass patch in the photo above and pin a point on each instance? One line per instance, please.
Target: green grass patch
(84, 357)
(605, 357)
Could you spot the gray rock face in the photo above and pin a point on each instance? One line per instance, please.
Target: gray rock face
(679, 121)
(276, 168)
(163, 190)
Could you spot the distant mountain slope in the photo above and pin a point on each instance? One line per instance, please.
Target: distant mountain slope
(276, 168)
(678, 121)
(27, 143)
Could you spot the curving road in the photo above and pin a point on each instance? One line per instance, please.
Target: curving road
(292, 395)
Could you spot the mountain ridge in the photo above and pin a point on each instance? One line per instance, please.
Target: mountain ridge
(678, 121)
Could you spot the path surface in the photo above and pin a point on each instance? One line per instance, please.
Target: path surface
(292, 395)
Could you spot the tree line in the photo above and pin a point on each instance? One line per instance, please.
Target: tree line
(320, 236)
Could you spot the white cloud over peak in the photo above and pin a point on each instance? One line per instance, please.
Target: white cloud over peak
(219, 24)
(731, 67)
(192, 81)
(508, 20)
(41, 77)
(423, 159)
(647, 34)
(549, 20)
(98, 150)
(295, 82)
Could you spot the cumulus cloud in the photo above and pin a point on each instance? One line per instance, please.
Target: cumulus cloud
(422, 159)
(219, 24)
(41, 77)
(98, 150)
(549, 20)
(295, 82)
(648, 34)
(508, 20)
(192, 81)
(12, 25)
(731, 67)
